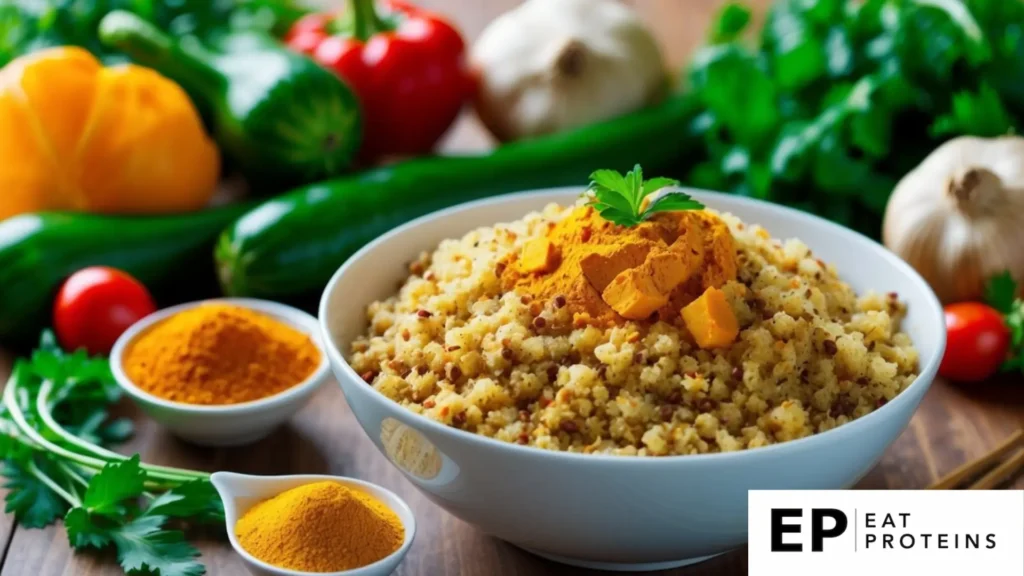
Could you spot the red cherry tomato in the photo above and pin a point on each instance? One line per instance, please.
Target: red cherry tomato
(96, 305)
(977, 341)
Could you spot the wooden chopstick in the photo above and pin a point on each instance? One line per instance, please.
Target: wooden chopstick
(1000, 473)
(973, 468)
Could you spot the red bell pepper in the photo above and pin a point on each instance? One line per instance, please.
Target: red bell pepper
(406, 65)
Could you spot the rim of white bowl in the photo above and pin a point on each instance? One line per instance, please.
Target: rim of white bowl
(290, 315)
(410, 529)
(925, 375)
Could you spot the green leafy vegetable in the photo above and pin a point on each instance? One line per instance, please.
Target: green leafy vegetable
(840, 98)
(979, 113)
(144, 548)
(54, 413)
(620, 198)
(33, 503)
(83, 533)
(196, 500)
(1001, 294)
(143, 545)
(731, 22)
(117, 482)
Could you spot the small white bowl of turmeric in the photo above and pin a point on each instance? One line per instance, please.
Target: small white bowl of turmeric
(221, 372)
(314, 524)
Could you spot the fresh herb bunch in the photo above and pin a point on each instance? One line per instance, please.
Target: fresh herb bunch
(620, 198)
(54, 414)
(841, 98)
(29, 25)
(1001, 294)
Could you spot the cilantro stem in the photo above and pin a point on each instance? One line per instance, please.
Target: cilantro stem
(15, 434)
(10, 401)
(74, 474)
(158, 472)
(71, 499)
(19, 419)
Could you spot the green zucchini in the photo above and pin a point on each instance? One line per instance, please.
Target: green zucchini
(288, 247)
(169, 254)
(278, 115)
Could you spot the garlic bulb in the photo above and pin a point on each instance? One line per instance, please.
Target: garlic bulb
(958, 218)
(549, 65)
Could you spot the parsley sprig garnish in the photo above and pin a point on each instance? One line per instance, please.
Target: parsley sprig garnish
(620, 198)
(53, 420)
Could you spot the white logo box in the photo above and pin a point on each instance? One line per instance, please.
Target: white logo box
(934, 532)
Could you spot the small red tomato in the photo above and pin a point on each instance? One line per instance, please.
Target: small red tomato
(977, 341)
(96, 305)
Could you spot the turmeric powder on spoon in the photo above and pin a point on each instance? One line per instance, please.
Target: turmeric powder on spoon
(320, 527)
(216, 354)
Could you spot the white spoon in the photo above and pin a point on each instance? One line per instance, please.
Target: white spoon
(239, 492)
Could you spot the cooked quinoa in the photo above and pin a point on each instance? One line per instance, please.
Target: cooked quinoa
(811, 355)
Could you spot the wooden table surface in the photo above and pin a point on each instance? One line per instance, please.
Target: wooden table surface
(953, 425)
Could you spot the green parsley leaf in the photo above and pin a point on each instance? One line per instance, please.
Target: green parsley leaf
(611, 180)
(980, 113)
(654, 184)
(33, 503)
(144, 548)
(82, 532)
(1015, 322)
(731, 21)
(117, 482)
(671, 202)
(1001, 295)
(634, 187)
(1001, 292)
(620, 198)
(196, 500)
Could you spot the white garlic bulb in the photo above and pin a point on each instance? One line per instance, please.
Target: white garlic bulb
(958, 217)
(550, 65)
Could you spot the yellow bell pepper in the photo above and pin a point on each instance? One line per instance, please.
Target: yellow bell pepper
(80, 137)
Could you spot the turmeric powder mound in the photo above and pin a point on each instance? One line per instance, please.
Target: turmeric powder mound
(320, 527)
(219, 354)
(710, 320)
(609, 273)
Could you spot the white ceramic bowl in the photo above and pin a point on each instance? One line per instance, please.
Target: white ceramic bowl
(231, 424)
(621, 512)
(239, 492)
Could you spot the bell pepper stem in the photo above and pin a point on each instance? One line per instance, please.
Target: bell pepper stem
(362, 20)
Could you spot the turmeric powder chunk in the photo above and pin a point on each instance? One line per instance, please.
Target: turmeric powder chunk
(669, 269)
(720, 265)
(689, 248)
(710, 320)
(634, 295)
(602, 265)
(540, 256)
